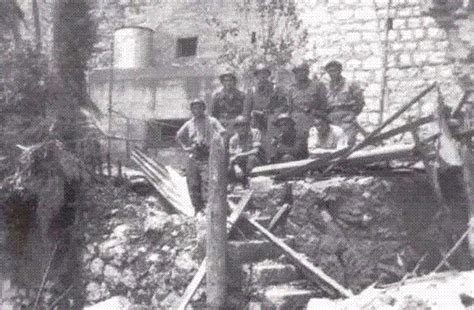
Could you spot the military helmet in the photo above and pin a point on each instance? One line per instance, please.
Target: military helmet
(227, 73)
(283, 117)
(197, 101)
(240, 120)
(333, 64)
(261, 67)
(302, 65)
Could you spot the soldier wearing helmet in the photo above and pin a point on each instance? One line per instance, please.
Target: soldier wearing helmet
(195, 138)
(245, 150)
(228, 102)
(345, 100)
(263, 102)
(305, 95)
(289, 145)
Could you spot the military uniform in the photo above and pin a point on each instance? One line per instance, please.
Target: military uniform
(334, 140)
(345, 100)
(227, 106)
(263, 102)
(290, 146)
(303, 99)
(239, 144)
(198, 133)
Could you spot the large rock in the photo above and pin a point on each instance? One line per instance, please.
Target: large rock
(438, 291)
(114, 303)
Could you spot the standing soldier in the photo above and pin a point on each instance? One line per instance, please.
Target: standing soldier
(305, 95)
(227, 103)
(263, 102)
(345, 100)
(195, 138)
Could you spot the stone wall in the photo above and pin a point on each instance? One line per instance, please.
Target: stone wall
(424, 45)
(421, 49)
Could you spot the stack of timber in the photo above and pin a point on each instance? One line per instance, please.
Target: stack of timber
(356, 158)
(167, 181)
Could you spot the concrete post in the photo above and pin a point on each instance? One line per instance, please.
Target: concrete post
(216, 224)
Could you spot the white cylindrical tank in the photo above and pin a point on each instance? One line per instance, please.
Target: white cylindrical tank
(133, 47)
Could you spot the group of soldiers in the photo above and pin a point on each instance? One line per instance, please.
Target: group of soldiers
(268, 124)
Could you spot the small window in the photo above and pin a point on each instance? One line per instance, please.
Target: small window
(186, 47)
(253, 37)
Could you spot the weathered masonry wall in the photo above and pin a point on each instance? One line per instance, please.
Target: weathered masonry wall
(423, 47)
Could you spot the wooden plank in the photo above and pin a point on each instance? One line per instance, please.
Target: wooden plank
(193, 285)
(163, 181)
(310, 271)
(153, 163)
(468, 173)
(165, 189)
(359, 157)
(401, 129)
(346, 152)
(216, 234)
(199, 276)
(379, 129)
(431, 171)
(280, 217)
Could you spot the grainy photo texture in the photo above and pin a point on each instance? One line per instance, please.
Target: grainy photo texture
(236, 154)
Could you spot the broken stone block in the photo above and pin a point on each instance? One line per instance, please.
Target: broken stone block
(286, 297)
(241, 252)
(116, 303)
(269, 273)
(112, 275)
(96, 291)
(155, 223)
(96, 267)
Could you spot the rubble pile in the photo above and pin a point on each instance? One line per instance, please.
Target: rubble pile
(448, 290)
(134, 249)
(357, 229)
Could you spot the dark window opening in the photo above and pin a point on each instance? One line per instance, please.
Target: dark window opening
(187, 47)
(253, 38)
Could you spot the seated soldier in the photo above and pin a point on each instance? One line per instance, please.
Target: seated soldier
(245, 150)
(323, 137)
(288, 144)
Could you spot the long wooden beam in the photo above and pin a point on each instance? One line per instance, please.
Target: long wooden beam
(309, 270)
(201, 273)
(381, 127)
(359, 157)
(346, 152)
(402, 129)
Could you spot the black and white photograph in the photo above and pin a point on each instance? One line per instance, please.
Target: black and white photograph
(236, 154)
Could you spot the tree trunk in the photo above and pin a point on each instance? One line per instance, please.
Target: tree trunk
(36, 19)
(15, 23)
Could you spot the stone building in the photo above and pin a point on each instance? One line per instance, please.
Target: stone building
(428, 40)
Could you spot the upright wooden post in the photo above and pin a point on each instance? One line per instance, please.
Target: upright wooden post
(109, 108)
(127, 142)
(468, 173)
(216, 224)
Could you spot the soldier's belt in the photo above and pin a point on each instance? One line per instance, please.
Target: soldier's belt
(344, 107)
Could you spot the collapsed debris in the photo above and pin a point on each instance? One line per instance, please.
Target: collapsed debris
(448, 290)
(358, 230)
